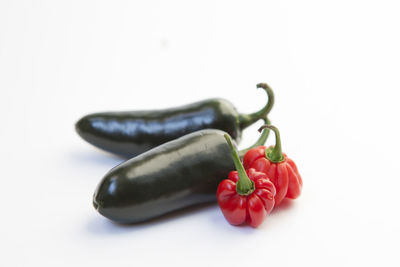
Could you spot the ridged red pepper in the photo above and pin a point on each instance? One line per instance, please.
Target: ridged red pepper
(280, 169)
(246, 196)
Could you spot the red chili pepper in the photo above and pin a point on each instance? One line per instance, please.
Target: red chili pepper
(243, 199)
(277, 166)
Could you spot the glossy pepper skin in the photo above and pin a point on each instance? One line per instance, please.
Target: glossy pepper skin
(175, 175)
(280, 169)
(250, 201)
(133, 132)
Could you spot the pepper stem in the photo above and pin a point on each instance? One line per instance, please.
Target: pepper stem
(260, 141)
(244, 186)
(274, 154)
(246, 120)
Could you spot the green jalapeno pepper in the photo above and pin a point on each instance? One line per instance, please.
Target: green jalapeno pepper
(175, 175)
(131, 133)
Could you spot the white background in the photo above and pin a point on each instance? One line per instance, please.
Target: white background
(334, 66)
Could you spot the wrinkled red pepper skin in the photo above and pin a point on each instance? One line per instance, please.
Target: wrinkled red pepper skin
(252, 208)
(284, 175)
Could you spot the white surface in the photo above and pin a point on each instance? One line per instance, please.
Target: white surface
(334, 66)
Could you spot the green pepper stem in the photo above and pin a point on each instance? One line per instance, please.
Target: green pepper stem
(274, 154)
(260, 141)
(244, 186)
(246, 120)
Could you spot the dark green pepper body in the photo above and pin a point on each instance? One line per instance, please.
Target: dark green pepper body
(177, 174)
(131, 133)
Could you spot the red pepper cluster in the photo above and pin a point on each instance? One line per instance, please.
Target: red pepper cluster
(267, 177)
